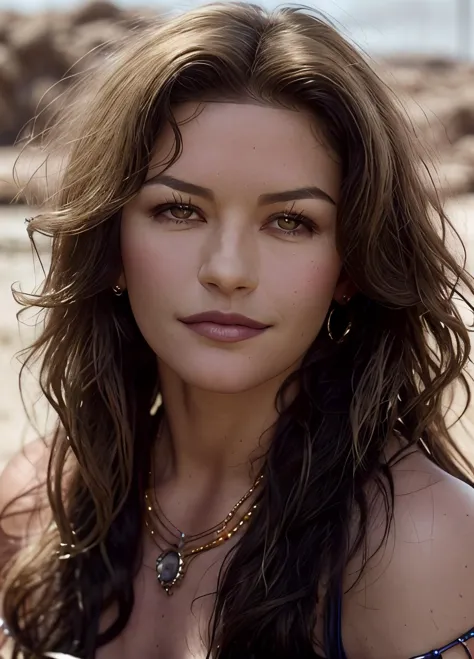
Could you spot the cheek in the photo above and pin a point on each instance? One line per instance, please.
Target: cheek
(152, 268)
(306, 283)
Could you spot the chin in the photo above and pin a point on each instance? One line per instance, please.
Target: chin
(224, 383)
(226, 376)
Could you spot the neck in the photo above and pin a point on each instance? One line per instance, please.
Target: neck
(211, 436)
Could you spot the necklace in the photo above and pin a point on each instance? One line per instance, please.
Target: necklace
(173, 561)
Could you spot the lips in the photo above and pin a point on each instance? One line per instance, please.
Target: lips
(224, 327)
(219, 318)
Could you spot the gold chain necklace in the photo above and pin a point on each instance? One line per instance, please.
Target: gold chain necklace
(173, 561)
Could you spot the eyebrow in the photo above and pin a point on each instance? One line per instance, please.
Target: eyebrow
(308, 192)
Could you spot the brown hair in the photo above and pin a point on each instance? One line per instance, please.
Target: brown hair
(408, 343)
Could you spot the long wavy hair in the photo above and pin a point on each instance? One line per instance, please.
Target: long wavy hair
(407, 347)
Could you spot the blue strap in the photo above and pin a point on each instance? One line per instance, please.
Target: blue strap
(333, 635)
(333, 628)
(461, 641)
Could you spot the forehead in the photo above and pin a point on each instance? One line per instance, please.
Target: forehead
(248, 144)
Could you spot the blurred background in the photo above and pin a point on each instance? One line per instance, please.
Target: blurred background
(423, 49)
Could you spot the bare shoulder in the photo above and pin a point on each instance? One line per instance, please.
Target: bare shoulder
(22, 488)
(417, 592)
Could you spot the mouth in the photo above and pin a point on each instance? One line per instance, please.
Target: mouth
(225, 327)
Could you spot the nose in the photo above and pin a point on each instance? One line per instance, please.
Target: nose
(230, 262)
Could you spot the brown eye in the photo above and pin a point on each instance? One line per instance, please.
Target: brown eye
(181, 212)
(176, 213)
(288, 223)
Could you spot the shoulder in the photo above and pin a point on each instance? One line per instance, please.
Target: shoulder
(417, 592)
(22, 488)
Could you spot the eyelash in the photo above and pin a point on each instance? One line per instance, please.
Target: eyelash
(294, 217)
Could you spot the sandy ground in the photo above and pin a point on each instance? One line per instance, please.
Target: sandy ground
(19, 268)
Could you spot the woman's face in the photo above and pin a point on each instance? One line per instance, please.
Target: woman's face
(243, 223)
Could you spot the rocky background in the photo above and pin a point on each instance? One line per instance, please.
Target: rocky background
(40, 53)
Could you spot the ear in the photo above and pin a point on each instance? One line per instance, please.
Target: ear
(345, 289)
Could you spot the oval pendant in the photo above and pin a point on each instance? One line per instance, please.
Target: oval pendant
(169, 568)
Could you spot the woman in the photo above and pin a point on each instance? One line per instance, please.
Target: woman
(250, 331)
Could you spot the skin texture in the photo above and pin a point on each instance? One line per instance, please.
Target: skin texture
(232, 254)
(417, 591)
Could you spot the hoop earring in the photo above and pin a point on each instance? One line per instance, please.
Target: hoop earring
(117, 290)
(157, 403)
(346, 331)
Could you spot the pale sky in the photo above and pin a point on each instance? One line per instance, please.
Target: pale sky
(444, 27)
(41, 4)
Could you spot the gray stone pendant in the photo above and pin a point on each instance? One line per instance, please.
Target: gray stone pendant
(169, 568)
